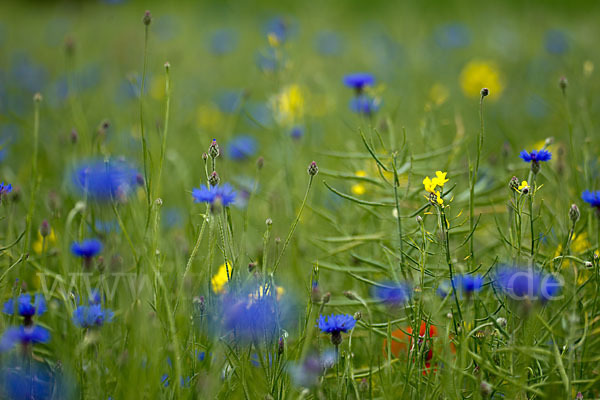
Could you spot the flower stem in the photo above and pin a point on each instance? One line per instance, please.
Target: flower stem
(291, 233)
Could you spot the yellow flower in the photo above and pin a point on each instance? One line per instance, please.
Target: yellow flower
(50, 240)
(219, 280)
(440, 178)
(439, 199)
(288, 105)
(522, 186)
(273, 40)
(359, 189)
(439, 94)
(429, 184)
(479, 74)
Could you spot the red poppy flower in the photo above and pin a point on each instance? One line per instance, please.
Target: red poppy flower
(404, 342)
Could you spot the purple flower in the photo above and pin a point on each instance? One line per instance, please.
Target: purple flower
(87, 248)
(359, 80)
(24, 335)
(535, 155)
(209, 194)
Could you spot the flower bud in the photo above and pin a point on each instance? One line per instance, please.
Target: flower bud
(357, 316)
(501, 322)
(213, 149)
(326, 297)
(514, 183)
(147, 19)
(574, 213)
(350, 295)
(45, 228)
(562, 83)
(214, 179)
(269, 222)
(535, 167)
(484, 92)
(419, 219)
(485, 389)
(74, 136)
(260, 162)
(204, 156)
(313, 169)
(252, 266)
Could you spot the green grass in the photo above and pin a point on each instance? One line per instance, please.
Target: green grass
(327, 240)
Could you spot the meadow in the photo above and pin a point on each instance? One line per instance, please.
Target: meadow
(316, 200)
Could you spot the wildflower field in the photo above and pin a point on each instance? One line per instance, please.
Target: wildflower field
(307, 200)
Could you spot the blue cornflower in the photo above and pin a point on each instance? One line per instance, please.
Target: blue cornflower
(210, 194)
(241, 147)
(92, 316)
(252, 312)
(24, 306)
(392, 293)
(26, 378)
(452, 36)
(364, 104)
(468, 283)
(297, 132)
(106, 180)
(24, 335)
(520, 283)
(556, 42)
(535, 155)
(5, 189)
(359, 80)
(335, 325)
(87, 248)
(223, 41)
(592, 198)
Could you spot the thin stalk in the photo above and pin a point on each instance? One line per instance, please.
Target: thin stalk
(443, 222)
(35, 179)
(289, 237)
(163, 147)
(399, 216)
(144, 145)
(474, 181)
